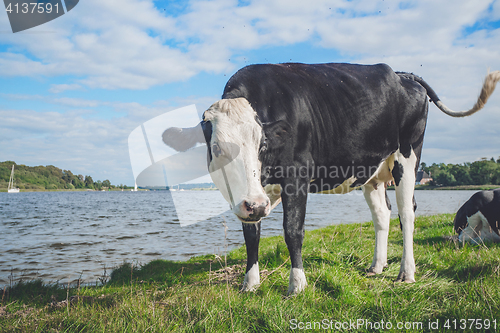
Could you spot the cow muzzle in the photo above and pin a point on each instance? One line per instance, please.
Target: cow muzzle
(253, 210)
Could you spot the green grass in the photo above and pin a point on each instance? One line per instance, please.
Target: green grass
(454, 281)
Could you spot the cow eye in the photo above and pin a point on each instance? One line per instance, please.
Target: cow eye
(216, 150)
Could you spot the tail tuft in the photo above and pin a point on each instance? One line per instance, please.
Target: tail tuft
(489, 85)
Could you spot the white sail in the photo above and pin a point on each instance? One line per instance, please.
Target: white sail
(11, 188)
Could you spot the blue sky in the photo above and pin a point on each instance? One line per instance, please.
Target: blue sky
(73, 89)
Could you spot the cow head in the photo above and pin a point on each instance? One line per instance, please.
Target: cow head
(235, 139)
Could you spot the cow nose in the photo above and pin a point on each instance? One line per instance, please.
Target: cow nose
(248, 206)
(254, 210)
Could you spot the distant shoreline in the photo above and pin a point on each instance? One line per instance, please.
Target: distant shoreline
(417, 187)
(4, 190)
(457, 188)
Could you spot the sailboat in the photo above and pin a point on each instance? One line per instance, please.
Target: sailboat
(11, 188)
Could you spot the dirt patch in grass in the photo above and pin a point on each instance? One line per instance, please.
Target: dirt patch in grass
(231, 274)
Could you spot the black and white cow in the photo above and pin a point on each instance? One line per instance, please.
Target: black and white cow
(477, 220)
(292, 128)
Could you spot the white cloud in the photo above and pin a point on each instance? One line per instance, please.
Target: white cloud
(76, 102)
(495, 11)
(59, 88)
(130, 44)
(106, 43)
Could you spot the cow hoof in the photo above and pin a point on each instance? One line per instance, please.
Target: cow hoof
(252, 279)
(297, 282)
(249, 288)
(374, 270)
(402, 277)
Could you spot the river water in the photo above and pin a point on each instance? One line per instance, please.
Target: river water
(64, 236)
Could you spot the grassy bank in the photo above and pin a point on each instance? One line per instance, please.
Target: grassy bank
(454, 281)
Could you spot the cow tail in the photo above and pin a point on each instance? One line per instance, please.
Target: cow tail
(489, 85)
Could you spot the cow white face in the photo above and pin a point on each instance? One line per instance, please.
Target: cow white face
(234, 157)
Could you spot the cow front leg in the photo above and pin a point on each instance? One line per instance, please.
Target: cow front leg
(377, 200)
(294, 210)
(404, 179)
(251, 232)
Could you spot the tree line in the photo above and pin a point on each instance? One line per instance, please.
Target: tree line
(482, 172)
(49, 178)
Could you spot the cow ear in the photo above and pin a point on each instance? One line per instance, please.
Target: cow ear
(181, 139)
(277, 133)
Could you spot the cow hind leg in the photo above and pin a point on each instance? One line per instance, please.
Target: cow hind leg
(375, 196)
(404, 179)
